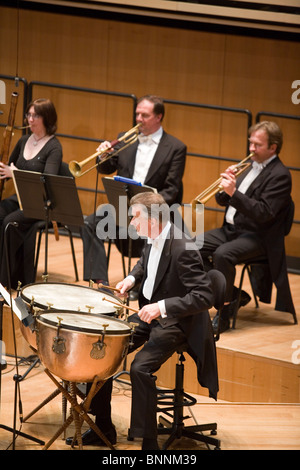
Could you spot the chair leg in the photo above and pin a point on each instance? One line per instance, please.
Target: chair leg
(254, 295)
(238, 298)
(37, 254)
(123, 259)
(247, 267)
(108, 252)
(36, 261)
(73, 251)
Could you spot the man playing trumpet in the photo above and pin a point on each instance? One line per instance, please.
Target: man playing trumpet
(257, 205)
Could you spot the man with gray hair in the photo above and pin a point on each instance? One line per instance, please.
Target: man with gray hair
(174, 297)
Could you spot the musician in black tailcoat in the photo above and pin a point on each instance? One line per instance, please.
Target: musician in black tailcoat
(174, 297)
(257, 205)
(157, 160)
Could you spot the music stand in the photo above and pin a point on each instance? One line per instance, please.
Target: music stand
(116, 188)
(50, 198)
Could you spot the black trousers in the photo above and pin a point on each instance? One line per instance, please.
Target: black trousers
(225, 247)
(159, 345)
(93, 236)
(94, 255)
(20, 243)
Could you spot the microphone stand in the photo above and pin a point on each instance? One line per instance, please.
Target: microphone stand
(17, 376)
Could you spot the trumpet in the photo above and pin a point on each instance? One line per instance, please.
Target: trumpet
(216, 187)
(128, 138)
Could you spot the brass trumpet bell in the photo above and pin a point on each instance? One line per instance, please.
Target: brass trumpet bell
(216, 187)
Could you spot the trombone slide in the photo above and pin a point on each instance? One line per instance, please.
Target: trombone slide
(128, 138)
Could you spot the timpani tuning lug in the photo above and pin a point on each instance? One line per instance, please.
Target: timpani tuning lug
(98, 348)
(58, 346)
(36, 310)
(133, 326)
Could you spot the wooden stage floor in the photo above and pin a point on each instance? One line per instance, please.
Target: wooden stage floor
(258, 406)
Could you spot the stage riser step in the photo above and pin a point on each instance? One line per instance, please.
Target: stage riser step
(242, 378)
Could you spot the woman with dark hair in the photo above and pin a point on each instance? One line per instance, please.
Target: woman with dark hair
(40, 151)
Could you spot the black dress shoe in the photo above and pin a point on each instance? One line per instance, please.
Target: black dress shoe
(90, 438)
(228, 311)
(150, 444)
(220, 325)
(244, 299)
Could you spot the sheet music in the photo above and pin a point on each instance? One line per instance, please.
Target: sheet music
(18, 306)
(17, 190)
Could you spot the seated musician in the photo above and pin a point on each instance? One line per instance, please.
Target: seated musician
(39, 151)
(256, 208)
(174, 297)
(156, 160)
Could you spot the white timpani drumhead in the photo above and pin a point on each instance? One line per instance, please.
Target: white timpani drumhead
(85, 323)
(61, 296)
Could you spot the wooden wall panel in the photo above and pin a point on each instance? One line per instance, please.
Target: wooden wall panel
(185, 65)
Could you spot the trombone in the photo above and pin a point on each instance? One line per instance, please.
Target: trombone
(128, 138)
(216, 187)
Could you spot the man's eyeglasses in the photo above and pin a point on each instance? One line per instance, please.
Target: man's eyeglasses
(32, 115)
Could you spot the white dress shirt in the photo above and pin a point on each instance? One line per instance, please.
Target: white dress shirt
(252, 175)
(145, 153)
(153, 262)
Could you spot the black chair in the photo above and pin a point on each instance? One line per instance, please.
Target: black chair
(172, 402)
(260, 261)
(41, 228)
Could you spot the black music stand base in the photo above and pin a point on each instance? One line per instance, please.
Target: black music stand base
(17, 379)
(15, 433)
(22, 434)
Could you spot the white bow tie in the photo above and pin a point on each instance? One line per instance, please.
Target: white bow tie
(145, 138)
(257, 166)
(154, 243)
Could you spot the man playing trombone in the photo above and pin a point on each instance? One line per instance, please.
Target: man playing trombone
(256, 204)
(157, 160)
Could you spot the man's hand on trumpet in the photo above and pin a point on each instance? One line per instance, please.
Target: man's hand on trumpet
(228, 182)
(105, 147)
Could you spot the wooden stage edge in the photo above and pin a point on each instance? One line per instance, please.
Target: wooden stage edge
(258, 362)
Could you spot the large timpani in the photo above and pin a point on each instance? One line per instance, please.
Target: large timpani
(60, 296)
(78, 348)
(65, 297)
